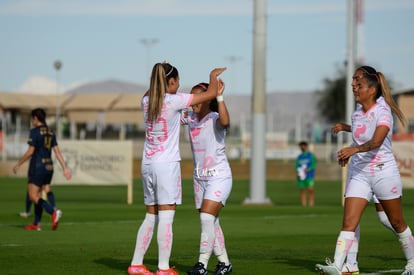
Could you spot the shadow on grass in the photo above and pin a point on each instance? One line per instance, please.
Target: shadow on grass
(20, 226)
(118, 264)
(122, 265)
(299, 264)
(113, 263)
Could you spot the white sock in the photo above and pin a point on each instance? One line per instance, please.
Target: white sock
(219, 244)
(385, 221)
(165, 238)
(144, 237)
(352, 256)
(407, 244)
(207, 238)
(343, 243)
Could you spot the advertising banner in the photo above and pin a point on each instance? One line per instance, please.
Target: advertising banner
(404, 154)
(95, 162)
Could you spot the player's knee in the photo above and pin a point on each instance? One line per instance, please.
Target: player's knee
(399, 225)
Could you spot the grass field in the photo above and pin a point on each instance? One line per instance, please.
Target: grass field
(98, 229)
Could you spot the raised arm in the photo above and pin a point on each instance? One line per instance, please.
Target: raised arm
(212, 88)
(224, 118)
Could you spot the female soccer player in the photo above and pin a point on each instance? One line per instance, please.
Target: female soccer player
(373, 168)
(208, 123)
(41, 142)
(351, 265)
(160, 169)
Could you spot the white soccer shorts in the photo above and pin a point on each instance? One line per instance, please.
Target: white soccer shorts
(215, 189)
(161, 183)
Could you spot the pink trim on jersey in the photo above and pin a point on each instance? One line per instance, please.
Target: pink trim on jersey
(162, 135)
(372, 107)
(384, 124)
(208, 147)
(364, 125)
(190, 100)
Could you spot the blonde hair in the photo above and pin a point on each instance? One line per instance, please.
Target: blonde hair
(386, 94)
(161, 73)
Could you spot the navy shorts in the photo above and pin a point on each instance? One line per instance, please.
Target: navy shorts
(40, 179)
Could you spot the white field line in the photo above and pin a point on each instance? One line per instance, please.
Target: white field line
(72, 223)
(383, 272)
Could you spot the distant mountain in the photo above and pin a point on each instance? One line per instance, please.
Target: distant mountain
(39, 85)
(109, 86)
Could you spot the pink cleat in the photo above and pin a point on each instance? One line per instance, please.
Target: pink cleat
(139, 270)
(169, 271)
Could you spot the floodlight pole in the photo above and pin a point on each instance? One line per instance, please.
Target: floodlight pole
(258, 144)
(148, 43)
(233, 59)
(57, 65)
(350, 105)
(4, 135)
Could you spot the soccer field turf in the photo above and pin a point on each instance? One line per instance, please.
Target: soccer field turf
(98, 229)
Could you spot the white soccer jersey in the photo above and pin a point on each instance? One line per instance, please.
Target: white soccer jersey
(162, 136)
(208, 145)
(364, 125)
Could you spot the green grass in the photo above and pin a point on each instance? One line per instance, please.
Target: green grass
(98, 229)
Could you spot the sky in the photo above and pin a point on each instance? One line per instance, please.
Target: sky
(98, 40)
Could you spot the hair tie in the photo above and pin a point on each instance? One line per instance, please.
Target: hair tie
(374, 73)
(172, 68)
(204, 87)
(378, 78)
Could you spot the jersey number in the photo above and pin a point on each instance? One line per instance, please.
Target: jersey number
(48, 142)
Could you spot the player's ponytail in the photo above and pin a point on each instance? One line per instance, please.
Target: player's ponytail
(161, 73)
(40, 114)
(378, 80)
(386, 93)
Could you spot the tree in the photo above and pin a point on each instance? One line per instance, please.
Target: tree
(332, 97)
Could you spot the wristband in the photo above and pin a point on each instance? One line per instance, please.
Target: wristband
(220, 98)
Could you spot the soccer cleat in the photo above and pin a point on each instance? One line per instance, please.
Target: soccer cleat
(24, 214)
(409, 269)
(350, 269)
(139, 270)
(57, 214)
(33, 226)
(169, 271)
(198, 269)
(328, 269)
(222, 268)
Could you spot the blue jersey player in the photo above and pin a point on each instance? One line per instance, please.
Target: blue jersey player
(305, 168)
(41, 143)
